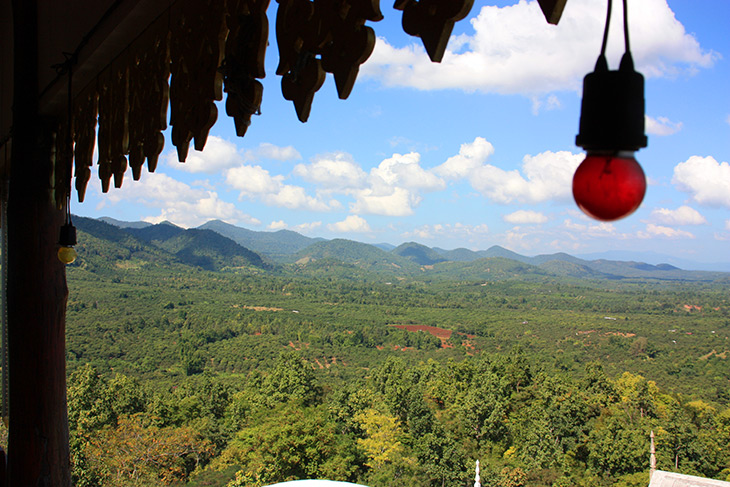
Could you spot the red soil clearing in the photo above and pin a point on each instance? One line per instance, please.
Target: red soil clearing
(433, 330)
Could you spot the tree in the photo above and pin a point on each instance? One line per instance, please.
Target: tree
(291, 442)
(291, 379)
(512, 477)
(483, 410)
(89, 407)
(382, 441)
(392, 380)
(133, 454)
(192, 360)
(617, 445)
(441, 459)
(551, 423)
(637, 395)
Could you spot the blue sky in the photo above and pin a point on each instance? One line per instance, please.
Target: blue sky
(476, 151)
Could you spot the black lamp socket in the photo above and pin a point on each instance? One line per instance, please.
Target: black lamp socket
(612, 111)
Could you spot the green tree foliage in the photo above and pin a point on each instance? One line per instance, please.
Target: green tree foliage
(133, 454)
(381, 442)
(291, 442)
(95, 402)
(617, 446)
(512, 477)
(291, 379)
(299, 371)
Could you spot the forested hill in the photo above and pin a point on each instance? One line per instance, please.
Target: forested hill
(161, 244)
(276, 244)
(216, 245)
(359, 254)
(420, 254)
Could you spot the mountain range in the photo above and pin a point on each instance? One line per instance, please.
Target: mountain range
(101, 243)
(217, 245)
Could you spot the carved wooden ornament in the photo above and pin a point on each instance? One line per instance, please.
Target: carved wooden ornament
(248, 32)
(432, 21)
(202, 44)
(113, 141)
(85, 111)
(198, 34)
(63, 160)
(318, 36)
(148, 97)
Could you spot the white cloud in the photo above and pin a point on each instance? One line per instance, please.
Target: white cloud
(393, 202)
(178, 202)
(277, 225)
(301, 228)
(217, 155)
(450, 230)
(601, 229)
(471, 156)
(727, 224)
(266, 150)
(684, 215)
(569, 236)
(220, 154)
(547, 176)
(661, 126)
(394, 186)
(351, 224)
(514, 50)
(307, 227)
(422, 233)
(654, 231)
(705, 179)
(405, 171)
(525, 217)
(295, 198)
(332, 171)
(551, 102)
(252, 180)
(519, 240)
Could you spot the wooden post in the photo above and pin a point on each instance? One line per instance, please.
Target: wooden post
(38, 451)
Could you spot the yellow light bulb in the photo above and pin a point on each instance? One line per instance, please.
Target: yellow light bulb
(66, 255)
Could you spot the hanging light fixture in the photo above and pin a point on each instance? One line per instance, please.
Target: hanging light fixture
(67, 240)
(67, 236)
(609, 184)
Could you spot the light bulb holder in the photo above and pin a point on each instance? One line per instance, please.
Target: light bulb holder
(67, 237)
(612, 110)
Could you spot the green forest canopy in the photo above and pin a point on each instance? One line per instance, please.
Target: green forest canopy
(248, 375)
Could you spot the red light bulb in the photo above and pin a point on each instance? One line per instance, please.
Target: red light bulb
(608, 187)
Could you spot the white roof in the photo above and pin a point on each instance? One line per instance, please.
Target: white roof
(315, 483)
(671, 479)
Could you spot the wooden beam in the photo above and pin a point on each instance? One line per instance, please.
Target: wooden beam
(552, 9)
(38, 450)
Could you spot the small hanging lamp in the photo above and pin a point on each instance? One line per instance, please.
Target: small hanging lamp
(67, 240)
(67, 236)
(609, 184)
